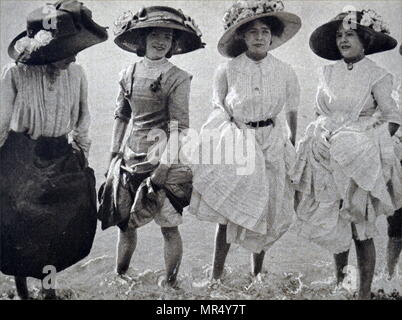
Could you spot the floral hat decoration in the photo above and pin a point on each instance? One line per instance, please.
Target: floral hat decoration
(55, 32)
(244, 11)
(323, 39)
(128, 28)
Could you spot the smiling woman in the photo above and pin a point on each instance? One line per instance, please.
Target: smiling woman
(344, 173)
(153, 93)
(159, 42)
(349, 44)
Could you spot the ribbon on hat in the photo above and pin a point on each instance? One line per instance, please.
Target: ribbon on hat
(72, 7)
(127, 19)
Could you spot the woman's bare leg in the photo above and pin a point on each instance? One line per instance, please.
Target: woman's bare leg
(341, 261)
(22, 289)
(48, 294)
(257, 260)
(173, 251)
(221, 251)
(394, 246)
(366, 258)
(125, 248)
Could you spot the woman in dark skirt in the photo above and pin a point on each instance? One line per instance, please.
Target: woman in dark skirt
(47, 190)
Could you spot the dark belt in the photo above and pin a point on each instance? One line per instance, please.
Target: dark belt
(263, 123)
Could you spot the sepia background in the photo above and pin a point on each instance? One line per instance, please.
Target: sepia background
(291, 258)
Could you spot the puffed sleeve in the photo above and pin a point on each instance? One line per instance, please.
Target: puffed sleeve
(8, 95)
(80, 133)
(292, 91)
(382, 93)
(123, 110)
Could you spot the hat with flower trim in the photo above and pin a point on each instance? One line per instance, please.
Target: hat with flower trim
(128, 28)
(323, 39)
(55, 32)
(244, 11)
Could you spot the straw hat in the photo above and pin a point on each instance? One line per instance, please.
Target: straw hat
(129, 27)
(323, 39)
(243, 12)
(55, 32)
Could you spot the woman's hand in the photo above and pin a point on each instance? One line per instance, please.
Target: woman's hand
(83, 154)
(322, 146)
(119, 130)
(75, 146)
(159, 176)
(111, 156)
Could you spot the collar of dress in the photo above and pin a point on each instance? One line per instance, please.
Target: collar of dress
(245, 65)
(152, 68)
(363, 63)
(155, 64)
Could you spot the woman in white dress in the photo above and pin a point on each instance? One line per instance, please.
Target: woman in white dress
(394, 245)
(254, 207)
(347, 170)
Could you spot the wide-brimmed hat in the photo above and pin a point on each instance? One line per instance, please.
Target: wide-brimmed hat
(323, 39)
(242, 12)
(129, 27)
(55, 32)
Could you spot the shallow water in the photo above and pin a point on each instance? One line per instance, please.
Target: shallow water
(294, 269)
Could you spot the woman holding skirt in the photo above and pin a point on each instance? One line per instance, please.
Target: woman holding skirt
(347, 170)
(251, 202)
(154, 96)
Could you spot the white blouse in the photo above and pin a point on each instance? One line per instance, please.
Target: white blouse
(31, 102)
(366, 90)
(256, 90)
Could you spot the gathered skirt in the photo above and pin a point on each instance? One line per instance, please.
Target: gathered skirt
(130, 200)
(257, 202)
(48, 205)
(360, 180)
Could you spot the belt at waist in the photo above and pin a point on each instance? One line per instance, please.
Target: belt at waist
(262, 123)
(149, 124)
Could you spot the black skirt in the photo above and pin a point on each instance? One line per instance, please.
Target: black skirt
(47, 205)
